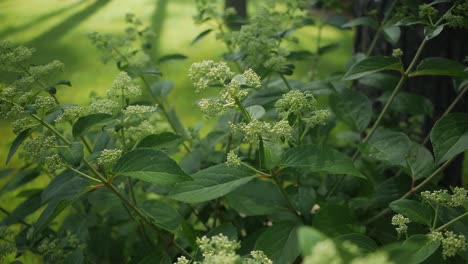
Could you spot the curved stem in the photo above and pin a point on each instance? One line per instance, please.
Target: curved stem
(451, 222)
(285, 81)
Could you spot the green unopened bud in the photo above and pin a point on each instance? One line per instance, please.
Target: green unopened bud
(401, 223)
(397, 53)
(232, 159)
(452, 244)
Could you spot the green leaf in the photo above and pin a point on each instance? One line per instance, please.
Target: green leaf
(162, 88)
(20, 178)
(409, 103)
(380, 80)
(150, 165)
(433, 31)
(164, 140)
(362, 21)
(365, 243)
(420, 162)
(440, 66)
(328, 48)
(334, 220)
(300, 55)
(308, 237)
(83, 124)
(409, 21)
(256, 111)
(449, 136)
(211, 183)
(386, 145)
(372, 65)
(279, 242)
(257, 197)
(201, 35)
(353, 108)
(392, 34)
(162, 214)
(273, 153)
(320, 159)
(175, 56)
(72, 154)
(424, 248)
(414, 210)
(32, 204)
(17, 143)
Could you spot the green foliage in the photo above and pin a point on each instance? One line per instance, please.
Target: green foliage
(265, 183)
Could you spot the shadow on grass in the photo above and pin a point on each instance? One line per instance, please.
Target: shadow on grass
(13, 30)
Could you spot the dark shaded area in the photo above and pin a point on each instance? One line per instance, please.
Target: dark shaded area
(13, 30)
(452, 44)
(157, 24)
(241, 9)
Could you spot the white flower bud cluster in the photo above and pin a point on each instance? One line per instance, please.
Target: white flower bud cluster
(442, 197)
(71, 113)
(37, 148)
(43, 70)
(324, 252)
(319, 118)
(138, 109)
(232, 159)
(235, 88)
(11, 56)
(379, 257)
(295, 102)
(253, 130)
(123, 85)
(54, 162)
(44, 102)
(108, 157)
(400, 222)
(451, 242)
(207, 73)
(21, 124)
(219, 249)
(103, 105)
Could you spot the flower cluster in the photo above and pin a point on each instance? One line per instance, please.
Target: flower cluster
(11, 57)
(56, 250)
(295, 102)
(451, 242)
(123, 86)
(232, 159)
(54, 162)
(209, 73)
(400, 222)
(108, 157)
(426, 10)
(234, 88)
(219, 249)
(37, 148)
(457, 17)
(324, 252)
(442, 197)
(253, 130)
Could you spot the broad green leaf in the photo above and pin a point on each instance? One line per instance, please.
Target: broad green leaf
(409, 21)
(449, 136)
(279, 242)
(353, 108)
(420, 162)
(320, 159)
(226, 229)
(386, 145)
(433, 31)
(414, 210)
(362, 21)
(150, 165)
(72, 154)
(20, 178)
(63, 187)
(175, 56)
(424, 248)
(17, 143)
(162, 214)
(334, 220)
(211, 183)
(32, 204)
(365, 243)
(409, 103)
(201, 35)
(257, 197)
(392, 34)
(300, 55)
(256, 111)
(162, 88)
(440, 66)
(164, 140)
(372, 65)
(83, 124)
(273, 153)
(308, 237)
(51, 212)
(303, 198)
(380, 80)
(328, 48)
